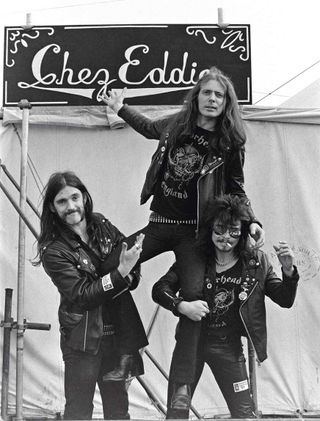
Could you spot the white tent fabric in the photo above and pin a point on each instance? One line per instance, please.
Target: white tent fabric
(282, 174)
(307, 98)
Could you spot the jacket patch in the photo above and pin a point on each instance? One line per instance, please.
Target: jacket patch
(240, 386)
(107, 283)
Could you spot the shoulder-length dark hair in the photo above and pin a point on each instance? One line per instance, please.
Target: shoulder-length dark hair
(229, 124)
(49, 220)
(227, 209)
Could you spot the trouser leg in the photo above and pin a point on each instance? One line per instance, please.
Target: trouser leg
(227, 363)
(191, 270)
(183, 364)
(175, 414)
(114, 395)
(81, 373)
(156, 241)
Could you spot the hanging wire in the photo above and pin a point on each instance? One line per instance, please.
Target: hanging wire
(76, 5)
(290, 80)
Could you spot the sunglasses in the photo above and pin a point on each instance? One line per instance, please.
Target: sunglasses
(233, 232)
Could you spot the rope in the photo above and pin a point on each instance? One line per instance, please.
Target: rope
(294, 77)
(76, 5)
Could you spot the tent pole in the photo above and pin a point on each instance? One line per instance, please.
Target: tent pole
(25, 106)
(7, 326)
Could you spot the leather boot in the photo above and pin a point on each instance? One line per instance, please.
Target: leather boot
(181, 397)
(122, 372)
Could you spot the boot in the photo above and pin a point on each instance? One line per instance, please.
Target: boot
(181, 397)
(122, 372)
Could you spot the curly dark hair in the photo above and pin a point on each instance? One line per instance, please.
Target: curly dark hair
(226, 209)
(229, 124)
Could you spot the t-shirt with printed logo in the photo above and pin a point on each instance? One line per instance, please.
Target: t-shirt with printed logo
(175, 194)
(224, 302)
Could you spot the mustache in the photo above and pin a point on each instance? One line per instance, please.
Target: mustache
(70, 212)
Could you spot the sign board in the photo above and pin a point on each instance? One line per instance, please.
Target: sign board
(74, 65)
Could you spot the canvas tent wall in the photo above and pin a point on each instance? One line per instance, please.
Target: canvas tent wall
(282, 174)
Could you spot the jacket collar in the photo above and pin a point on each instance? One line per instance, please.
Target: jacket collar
(71, 238)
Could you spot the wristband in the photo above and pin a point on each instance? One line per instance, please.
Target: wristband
(107, 283)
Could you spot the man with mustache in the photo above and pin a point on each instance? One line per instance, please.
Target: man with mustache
(237, 279)
(99, 322)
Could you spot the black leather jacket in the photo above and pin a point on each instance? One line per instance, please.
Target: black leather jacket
(82, 293)
(262, 281)
(222, 173)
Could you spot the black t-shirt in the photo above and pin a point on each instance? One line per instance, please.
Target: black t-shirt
(175, 194)
(224, 302)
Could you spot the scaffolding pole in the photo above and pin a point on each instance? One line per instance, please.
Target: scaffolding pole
(25, 107)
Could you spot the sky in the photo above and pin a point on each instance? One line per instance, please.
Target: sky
(284, 33)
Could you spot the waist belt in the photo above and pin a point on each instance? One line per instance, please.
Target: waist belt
(155, 217)
(108, 330)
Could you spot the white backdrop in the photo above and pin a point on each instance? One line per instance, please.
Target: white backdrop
(282, 174)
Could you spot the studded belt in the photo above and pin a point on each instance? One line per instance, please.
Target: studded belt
(155, 217)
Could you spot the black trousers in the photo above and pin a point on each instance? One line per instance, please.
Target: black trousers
(82, 372)
(190, 266)
(224, 356)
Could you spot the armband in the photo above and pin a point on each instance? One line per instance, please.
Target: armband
(107, 283)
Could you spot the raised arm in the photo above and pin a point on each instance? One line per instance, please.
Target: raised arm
(151, 129)
(283, 291)
(234, 180)
(80, 284)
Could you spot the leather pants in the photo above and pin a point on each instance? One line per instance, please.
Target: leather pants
(224, 356)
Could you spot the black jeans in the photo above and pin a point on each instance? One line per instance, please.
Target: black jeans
(190, 264)
(82, 372)
(224, 355)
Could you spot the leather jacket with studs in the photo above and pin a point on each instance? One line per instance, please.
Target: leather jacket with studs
(262, 281)
(221, 173)
(87, 293)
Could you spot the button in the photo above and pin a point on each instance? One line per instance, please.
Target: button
(78, 266)
(85, 261)
(209, 285)
(163, 149)
(252, 262)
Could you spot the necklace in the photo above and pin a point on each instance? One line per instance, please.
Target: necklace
(225, 263)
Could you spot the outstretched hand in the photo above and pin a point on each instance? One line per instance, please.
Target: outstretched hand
(114, 100)
(285, 256)
(129, 257)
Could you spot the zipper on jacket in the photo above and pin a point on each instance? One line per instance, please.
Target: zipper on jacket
(244, 322)
(85, 331)
(205, 172)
